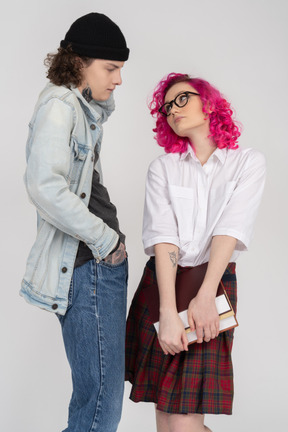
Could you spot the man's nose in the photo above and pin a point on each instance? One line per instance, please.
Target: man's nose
(117, 79)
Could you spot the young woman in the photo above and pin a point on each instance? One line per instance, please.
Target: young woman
(201, 202)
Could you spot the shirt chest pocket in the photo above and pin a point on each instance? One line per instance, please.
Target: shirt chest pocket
(220, 196)
(78, 159)
(184, 204)
(182, 196)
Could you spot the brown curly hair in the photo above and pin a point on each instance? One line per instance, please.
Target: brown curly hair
(65, 67)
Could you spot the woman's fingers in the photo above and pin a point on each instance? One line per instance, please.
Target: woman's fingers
(203, 318)
(204, 332)
(173, 348)
(168, 350)
(170, 333)
(191, 321)
(207, 334)
(184, 340)
(199, 333)
(217, 326)
(194, 326)
(211, 331)
(164, 349)
(215, 329)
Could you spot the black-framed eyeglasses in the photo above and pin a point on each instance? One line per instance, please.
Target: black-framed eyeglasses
(180, 101)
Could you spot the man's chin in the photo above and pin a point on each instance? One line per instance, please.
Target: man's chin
(104, 97)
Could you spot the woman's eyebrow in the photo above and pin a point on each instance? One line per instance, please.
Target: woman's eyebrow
(183, 91)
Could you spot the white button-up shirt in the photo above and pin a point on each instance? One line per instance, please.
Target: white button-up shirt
(187, 204)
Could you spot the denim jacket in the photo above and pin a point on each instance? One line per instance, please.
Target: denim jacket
(60, 160)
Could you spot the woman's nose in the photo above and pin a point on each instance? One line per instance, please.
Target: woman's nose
(174, 109)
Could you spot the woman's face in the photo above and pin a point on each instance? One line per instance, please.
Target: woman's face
(190, 118)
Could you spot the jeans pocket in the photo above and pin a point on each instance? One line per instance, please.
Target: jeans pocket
(110, 265)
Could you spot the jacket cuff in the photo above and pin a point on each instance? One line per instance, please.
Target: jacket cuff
(115, 248)
(109, 240)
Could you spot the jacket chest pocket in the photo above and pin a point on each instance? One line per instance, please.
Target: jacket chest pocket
(79, 156)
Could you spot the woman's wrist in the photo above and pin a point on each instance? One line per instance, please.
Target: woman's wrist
(167, 310)
(208, 290)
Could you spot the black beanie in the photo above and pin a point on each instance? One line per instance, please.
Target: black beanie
(97, 36)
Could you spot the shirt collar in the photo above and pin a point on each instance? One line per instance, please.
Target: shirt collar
(190, 152)
(219, 153)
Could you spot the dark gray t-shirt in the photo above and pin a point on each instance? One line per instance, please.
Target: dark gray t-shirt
(101, 206)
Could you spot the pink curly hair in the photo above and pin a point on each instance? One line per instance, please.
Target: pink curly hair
(223, 129)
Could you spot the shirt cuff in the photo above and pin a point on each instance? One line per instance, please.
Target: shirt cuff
(242, 239)
(150, 243)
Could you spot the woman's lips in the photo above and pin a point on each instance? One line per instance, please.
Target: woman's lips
(177, 119)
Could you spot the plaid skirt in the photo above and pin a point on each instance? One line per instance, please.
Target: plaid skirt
(196, 381)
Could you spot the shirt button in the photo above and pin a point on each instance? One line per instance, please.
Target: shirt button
(93, 127)
(54, 306)
(64, 269)
(83, 195)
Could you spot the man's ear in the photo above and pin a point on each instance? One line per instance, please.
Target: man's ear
(81, 62)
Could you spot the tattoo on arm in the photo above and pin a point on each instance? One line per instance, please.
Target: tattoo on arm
(173, 258)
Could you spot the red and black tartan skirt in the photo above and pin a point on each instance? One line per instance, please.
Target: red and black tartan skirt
(198, 381)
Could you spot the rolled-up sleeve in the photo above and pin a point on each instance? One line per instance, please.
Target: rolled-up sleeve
(240, 213)
(159, 222)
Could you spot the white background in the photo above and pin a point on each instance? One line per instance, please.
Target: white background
(241, 48)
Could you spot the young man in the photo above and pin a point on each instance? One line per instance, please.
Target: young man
(77, 267)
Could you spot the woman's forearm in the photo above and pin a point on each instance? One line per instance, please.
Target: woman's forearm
(172, 337)
(222, 248)
(166, 256)
(202, 313)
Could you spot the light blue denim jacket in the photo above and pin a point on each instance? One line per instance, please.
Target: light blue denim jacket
(60, 159)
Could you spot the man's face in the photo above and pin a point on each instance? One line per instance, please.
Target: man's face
(102, 76)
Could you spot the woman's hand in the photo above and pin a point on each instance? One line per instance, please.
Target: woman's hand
(202, 313)
(203, 316)
(172, 336)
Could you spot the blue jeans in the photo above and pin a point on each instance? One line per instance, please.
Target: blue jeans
(94, 336)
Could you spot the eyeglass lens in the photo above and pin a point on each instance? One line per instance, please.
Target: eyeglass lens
(181, 100)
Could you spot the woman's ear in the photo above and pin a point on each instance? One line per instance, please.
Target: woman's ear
(208, 108)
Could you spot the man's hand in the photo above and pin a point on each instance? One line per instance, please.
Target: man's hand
(118, 256)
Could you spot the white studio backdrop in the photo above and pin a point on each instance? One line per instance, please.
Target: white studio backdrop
(241, 48)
